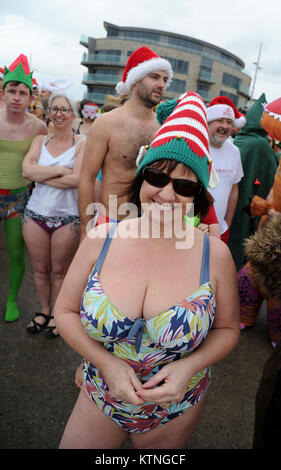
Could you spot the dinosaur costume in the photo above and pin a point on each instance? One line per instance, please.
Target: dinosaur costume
(259, 278)
(14, 192)
(259, 165)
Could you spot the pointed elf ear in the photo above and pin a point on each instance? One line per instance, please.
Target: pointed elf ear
(214, 178)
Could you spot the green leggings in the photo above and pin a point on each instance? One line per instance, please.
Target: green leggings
(16, 253)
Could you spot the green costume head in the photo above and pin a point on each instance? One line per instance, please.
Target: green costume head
(19, 71)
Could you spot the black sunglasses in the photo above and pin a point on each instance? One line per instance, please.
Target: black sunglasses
(157, 178)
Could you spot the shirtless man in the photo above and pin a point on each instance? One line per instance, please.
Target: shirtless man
(17, 130)
(115, 138)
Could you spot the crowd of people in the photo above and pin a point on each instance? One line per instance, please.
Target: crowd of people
(85, 190)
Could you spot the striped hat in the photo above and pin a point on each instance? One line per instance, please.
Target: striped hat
(183, 137)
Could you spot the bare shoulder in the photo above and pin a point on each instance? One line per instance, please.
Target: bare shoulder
(101, 125)
(93, 242)
(104, 125)
(38, 140)
(220, 255)
(2, 114)
(40, 126)
(111, 116)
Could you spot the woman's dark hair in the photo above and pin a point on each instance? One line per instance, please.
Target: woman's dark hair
(202, 202)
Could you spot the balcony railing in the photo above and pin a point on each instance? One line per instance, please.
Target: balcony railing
(244, 90)
(100, 77)
(207, 76)
(207, 96)
(99, 97)
(102, 59)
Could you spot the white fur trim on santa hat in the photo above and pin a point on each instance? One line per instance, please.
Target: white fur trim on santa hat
(240, 122)
(141, 70)
(220, 111)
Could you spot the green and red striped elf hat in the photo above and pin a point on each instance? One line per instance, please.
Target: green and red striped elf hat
(183, 136)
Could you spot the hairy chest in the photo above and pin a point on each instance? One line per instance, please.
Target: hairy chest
(126, 141)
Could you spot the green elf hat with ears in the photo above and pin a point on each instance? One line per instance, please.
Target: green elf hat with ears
(19, 71)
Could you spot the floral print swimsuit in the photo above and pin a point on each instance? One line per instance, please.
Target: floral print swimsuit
(147, 345)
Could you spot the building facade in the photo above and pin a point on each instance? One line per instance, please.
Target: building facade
(198, 66)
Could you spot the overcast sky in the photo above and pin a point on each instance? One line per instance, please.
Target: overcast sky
(49, 32)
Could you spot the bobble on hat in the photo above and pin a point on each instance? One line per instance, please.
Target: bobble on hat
(166, 108)
(183, 137)
(140, 63)
(223, 107)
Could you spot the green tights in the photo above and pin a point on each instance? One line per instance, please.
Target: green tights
(16, 245)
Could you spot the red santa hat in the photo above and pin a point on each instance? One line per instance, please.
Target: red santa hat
(222, 107)
(35, 84)
(139, 64)
(2, 71)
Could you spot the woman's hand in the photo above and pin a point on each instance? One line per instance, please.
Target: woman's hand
(66, 171)
(176, 377)
(204, 228)
(122, 381)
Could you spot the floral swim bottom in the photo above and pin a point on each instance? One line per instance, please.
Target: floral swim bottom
(50, 224)
(13, 205)
(141, 418)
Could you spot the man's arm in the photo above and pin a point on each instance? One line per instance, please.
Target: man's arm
(232, 203)
(95, 151)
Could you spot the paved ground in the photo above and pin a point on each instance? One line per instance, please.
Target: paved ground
(37, 390)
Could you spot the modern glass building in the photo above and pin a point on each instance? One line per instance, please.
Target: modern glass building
(198, 66)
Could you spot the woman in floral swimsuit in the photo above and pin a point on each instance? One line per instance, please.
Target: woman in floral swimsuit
(150, 315)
